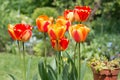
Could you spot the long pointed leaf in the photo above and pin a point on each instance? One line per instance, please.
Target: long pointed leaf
(51, 73)
(13, 78)
(65, 72)
(42, 71)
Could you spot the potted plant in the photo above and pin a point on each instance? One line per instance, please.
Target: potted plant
(104, 69)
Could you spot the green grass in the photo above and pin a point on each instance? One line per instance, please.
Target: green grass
(12, 64)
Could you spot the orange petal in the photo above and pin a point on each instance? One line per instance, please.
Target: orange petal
(60, 32)
(25, 36)
(39, 25)
(11, 31)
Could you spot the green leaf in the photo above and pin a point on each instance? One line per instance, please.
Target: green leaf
(65, 72)
(51, 73)
(42, 71)
(13, 78)
(73, 72)
(83, 70)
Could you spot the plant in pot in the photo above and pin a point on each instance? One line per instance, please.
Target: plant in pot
(105, 67)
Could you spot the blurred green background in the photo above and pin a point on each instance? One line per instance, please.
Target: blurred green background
(104, 22)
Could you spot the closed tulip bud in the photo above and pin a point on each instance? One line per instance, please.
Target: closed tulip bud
(43, 23)
(79, 32)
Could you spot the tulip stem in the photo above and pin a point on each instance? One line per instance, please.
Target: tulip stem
(18, 46)
(79, 66)
(45, 48)
(18, 43)
(59, 63)
(75, 52)
(24, 66)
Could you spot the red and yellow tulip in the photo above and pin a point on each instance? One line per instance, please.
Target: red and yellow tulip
(43, 22)
(56, 31)
(68, 14)
(81, 13)
(21, 32)
(60, 44)
(79, 32)
(63, 21)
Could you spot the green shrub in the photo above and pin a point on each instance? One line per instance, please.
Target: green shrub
(105, 45)
(51, 12)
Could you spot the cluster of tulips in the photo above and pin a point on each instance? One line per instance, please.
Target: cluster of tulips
(56, 28)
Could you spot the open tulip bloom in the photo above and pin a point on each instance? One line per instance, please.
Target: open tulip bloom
(20, 32)
(79, 13)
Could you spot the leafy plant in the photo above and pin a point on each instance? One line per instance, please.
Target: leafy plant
(100, 64)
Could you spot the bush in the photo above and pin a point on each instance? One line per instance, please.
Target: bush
(49, 11)
(105, 45)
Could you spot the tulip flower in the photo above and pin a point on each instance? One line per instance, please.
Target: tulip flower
(60, 44)
(79, 32)
(81, 13)
(63, 21)
(56, 31)
(42, 23)
(23, 32)
(68, 14)
(11, 32)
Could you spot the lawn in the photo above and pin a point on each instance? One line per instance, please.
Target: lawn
(12, 64)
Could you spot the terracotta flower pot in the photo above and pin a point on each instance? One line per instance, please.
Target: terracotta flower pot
(106, 74)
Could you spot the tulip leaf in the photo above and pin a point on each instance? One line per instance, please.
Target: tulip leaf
(65, 72)
(73, 72)
(51, 73)
(83, 70)
(13, 78)
(42, 71)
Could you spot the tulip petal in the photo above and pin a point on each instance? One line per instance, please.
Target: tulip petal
(38, 22)
(60, 32)
(52, 34)
(64, 43)
(11, 32)
(26, 35)
(45, 26)
(77, 35)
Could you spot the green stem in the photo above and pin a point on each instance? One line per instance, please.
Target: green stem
(75, 52)
(24, 71)
(59, 57)
(18, 46)
(59, 64)
(79, 66)
(45, 48)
